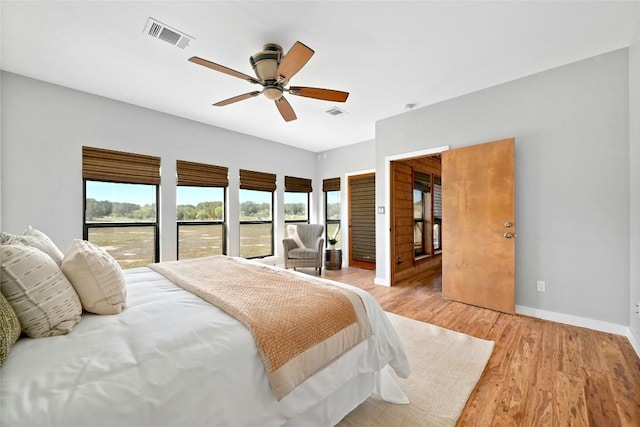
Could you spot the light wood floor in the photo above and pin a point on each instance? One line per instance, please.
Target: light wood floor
(541, 373)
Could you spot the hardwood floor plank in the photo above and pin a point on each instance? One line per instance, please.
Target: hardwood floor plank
(622, 381)
(541, 373)
(568, 401)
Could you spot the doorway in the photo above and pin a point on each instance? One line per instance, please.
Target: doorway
(362, 221)
(416, 217)
(477, 232)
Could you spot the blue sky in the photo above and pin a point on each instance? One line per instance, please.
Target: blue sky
(141, 194)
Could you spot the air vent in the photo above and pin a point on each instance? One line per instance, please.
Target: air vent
(162, 31)
(335, 111)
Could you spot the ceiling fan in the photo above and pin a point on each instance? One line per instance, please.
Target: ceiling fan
(273, 71)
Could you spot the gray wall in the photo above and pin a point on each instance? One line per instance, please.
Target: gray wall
(634, 182)
(44, 127)
(571, 126)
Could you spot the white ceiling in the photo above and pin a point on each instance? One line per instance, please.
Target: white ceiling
(386, 54)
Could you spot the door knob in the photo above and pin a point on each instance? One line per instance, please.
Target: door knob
(508, 235)
(508, 224)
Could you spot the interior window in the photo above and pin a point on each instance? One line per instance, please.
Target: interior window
(256, 223)
(421, 213)
(201, 221)
(332, 225)
(123, 219)
(296, 207)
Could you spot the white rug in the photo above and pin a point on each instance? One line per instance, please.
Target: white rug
(445, 367)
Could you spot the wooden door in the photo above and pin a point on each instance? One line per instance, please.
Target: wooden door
(478, 226)
(362, 221)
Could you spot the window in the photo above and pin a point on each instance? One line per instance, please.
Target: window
(296, 200)
(120, 204)
(437, 213)
(256, 213)
(427, 214)
(331, 188)
(201, 214)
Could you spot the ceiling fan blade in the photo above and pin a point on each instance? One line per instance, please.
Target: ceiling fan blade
(293, 61)
(318, 93)
(285, 109)
(223, 69)
(237, 98)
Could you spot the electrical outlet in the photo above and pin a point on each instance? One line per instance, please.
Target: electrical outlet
(638, 309)
(541, 285)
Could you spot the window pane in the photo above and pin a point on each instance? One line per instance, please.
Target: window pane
(200, 203)
(333, 228)
(295, 206)
(417, 238)
(130, 246)
(417, 204)
(333, 205)
(255, 240)
(196, 241)
(255, 205)
(437, 213)
(118, 202)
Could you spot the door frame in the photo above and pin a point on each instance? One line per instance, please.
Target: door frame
(387, 279)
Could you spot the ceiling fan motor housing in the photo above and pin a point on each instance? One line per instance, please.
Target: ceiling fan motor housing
(265, 63)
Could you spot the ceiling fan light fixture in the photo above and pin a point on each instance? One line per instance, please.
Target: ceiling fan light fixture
(273, 92)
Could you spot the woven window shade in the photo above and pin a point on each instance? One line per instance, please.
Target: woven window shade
(201, 174)
(252, 180)
(118, 166)
(297, 185)
(331, 184)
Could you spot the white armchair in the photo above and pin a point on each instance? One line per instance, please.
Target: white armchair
(303, 246)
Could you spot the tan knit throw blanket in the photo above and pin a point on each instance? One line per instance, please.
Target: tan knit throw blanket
(300, 325)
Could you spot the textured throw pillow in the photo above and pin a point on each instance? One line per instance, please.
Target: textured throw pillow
(41, 296)
(10, 328)
(96, 277)
(36, 239)
(39, 240)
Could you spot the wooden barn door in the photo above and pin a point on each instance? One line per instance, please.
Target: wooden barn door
(478, 209)
(362, 221)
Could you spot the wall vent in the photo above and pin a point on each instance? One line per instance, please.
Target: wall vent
(335, 111)
(161, 31)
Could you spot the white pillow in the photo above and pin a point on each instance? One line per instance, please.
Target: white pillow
(36, 239)
(96, 277)
(41, 296)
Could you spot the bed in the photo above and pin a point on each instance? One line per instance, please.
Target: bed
(172, 359)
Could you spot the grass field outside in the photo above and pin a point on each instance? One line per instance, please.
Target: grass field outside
(134, 246)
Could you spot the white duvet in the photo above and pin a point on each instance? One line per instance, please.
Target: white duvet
(172, 359)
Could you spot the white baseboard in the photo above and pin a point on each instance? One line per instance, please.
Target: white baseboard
(635, 342)
(584, 322)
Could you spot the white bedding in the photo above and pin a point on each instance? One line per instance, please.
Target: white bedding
(172, 359)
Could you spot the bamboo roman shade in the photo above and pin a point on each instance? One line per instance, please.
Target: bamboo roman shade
(331, 184)
(118, 166)
(201, 174)
(297, 185)
(363, 218)
(252, 180)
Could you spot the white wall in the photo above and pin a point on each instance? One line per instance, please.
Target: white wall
(44, 127)
(571, 126)
(342, 162)
(634, 183)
